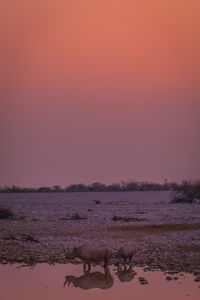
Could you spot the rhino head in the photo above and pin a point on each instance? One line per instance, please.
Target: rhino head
(69, 280)
(70, 254)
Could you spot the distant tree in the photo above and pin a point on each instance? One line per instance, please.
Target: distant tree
(173, 186)
(15, 189)
(76, 188)
(81, 187)
(56, 188)
(97, 187)
(115, 187)
(131, 186)
(44, 189)
(197, 189)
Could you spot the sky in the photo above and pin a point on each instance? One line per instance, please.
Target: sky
(103, 90)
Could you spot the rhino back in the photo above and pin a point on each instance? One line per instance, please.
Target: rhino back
(91, 253)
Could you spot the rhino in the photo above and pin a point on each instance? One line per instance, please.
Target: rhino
(90, 254)
(91, 280)
(125, 274)
(126, 254)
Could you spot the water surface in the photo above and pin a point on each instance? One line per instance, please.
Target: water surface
(47, 282)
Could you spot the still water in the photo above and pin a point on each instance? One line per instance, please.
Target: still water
(53, 282)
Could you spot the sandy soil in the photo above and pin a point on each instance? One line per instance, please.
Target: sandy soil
(164, 236)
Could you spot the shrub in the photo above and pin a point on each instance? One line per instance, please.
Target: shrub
(6, 213)
(188, 192)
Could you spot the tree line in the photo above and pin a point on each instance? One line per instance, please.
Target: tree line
(123, 186)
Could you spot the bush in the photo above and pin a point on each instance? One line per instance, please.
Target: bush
(178, 198)
(188, 192)
(6, 213)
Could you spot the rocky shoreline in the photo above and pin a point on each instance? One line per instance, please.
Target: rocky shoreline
(171, 258)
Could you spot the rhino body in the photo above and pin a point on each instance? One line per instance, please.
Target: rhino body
(91, 280)
(90, 254)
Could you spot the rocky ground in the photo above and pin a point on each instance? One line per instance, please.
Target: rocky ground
(164, 236)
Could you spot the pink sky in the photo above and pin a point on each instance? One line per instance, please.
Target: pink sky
(99, 91)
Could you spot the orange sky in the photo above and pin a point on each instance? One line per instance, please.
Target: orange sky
(99, 90)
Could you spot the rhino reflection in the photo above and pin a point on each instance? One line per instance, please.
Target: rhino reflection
(125, 274)
(91, 280)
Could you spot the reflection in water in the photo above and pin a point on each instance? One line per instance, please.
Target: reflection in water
(125, 274)
(100, 280)
(91, 280)
(96, 284)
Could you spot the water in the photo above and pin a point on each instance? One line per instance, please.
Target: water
(47, 282)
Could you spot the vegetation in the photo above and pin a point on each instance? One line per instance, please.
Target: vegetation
(184, 190)
(187, 192)
(6, 213)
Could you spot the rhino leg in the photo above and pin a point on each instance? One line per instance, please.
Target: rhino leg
(130, 268)
(131, 258)
(105, 259)
(125, 260)
(86, 266)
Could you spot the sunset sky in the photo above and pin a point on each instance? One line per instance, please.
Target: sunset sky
(99, 90)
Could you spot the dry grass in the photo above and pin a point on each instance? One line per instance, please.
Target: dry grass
(155, 228)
